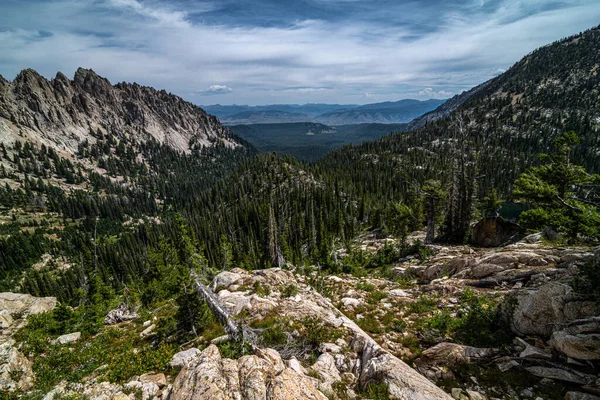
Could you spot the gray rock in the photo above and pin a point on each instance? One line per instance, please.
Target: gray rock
(562, 375)
(16, 303)
(580, 340)
(473, 395)
(535, 352)
(68, 338)
(507, 365)
(184, 358)
(121, 314)
(148, 331)
(6, 319)
(580, 396)
(15, 369)
(539, 312)
(260, 376)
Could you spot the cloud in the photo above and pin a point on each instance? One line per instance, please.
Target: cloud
(325, 51)
(432, 94)
(215, 89)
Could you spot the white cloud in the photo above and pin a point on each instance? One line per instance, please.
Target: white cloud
(155, 44)
(216, 89)
(432, 94)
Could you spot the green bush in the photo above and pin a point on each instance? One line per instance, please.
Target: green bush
(289, 291)
(587, 282)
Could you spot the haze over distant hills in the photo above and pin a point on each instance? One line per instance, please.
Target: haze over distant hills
(402, 111)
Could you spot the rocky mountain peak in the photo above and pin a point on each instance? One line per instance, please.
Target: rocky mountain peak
(59, 113)
(91, 82)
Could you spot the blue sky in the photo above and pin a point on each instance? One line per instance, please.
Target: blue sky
(286, 51)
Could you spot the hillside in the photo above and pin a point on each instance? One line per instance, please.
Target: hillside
(508, 121)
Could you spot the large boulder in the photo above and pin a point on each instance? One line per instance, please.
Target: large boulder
(403, 382)
(438, 361)
(495, 232)
(542, 311)
(260, 376)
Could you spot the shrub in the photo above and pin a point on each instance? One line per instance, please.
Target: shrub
(289, 291)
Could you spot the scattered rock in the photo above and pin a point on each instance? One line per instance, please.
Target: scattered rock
(507, 365)
(121, 314)
(68, 338)
(350, 302)
(148, 330)
(159, 380)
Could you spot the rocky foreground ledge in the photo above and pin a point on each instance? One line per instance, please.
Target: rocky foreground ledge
(557, 334)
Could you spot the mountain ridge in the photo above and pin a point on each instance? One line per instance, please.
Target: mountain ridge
(61, 112)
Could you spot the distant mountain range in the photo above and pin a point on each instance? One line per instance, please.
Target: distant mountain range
(402, 111)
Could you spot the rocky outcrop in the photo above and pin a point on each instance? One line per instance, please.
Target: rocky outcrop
(495, 232)
(60, 112)
(379, 366)
(16, 307)
(366, 363)
(25, 304)
(260, 376)
(15, 369)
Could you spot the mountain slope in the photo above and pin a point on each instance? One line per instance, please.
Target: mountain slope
(507, 123)
(60, 113)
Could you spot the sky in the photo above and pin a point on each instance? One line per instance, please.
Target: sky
(286, 51)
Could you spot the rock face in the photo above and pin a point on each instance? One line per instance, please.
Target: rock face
(496, 231)
(260, 376)
(15, 369)
(61, 112)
